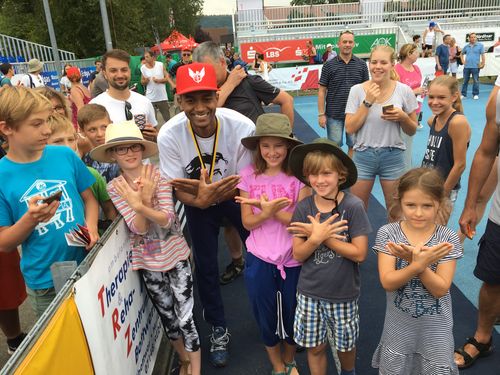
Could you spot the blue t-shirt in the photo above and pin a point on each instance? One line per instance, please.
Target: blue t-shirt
(473, 54)
(59, 168)
(443, 54)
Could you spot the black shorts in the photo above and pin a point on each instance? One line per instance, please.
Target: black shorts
(427, 46)
(488, 257)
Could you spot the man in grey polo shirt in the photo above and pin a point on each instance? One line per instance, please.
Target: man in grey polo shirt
(337, 77)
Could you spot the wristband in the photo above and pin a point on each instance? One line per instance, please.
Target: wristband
(321, 114)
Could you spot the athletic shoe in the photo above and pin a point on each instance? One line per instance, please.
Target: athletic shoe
(475, 97)
(13, 344)
(218, 350)
(463, 97)
(419, 126)
(233, 270)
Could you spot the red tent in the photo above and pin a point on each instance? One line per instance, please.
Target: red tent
(175, 41)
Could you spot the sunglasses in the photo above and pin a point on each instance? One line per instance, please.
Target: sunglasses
(128, 114)
(186, 54)
(123, 150)
(346, 32)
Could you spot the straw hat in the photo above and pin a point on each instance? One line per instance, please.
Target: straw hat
(298, 154)
(270, 125)
(122, 133)
(34, 65)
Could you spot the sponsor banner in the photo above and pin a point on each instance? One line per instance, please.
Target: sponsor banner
(61, 347)
(50, 79)
(86, 72)
(122, 327)
(482, 37)
(363, 43)
(306, 77)
(284, 50)
(292, 50)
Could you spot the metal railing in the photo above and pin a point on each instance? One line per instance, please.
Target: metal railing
(18, 48)
(362, 14)
(51, 66)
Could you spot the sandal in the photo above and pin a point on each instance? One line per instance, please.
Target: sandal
(483, 349)
(184, 367)
(290, 366)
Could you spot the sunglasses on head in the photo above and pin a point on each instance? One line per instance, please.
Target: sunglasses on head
(346, 32)
(128, 114)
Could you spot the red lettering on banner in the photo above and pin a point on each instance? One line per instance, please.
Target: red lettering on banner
(114, 319)
(282, 50)
(129, 342)
(101, 300)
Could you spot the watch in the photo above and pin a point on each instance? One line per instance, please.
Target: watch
(367, 104)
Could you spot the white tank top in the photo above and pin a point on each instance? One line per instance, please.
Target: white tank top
(429, 37)
(495, 205)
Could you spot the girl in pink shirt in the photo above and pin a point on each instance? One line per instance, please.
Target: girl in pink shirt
(268, 195)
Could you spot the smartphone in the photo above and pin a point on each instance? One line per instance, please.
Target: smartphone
(54, 197)
(140, 120)
(387, 107)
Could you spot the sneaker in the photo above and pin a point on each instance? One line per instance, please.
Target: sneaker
(218, 350)
(419, 126)
(475, 97)
(13, 344)
(463, 97)
(233, 270)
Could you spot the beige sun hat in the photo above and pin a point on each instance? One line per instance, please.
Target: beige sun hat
(271, 125)
(122, 133)
(34, 65)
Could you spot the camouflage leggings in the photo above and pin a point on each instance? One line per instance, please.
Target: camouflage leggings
(172, 295)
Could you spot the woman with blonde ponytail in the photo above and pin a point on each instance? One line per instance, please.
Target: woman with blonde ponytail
(377, 112)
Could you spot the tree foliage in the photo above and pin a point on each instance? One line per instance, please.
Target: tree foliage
(78, 23)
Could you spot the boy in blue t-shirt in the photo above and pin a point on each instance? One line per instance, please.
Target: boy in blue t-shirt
(30, 172)
(442, 55)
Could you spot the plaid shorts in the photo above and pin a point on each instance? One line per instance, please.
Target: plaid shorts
(313, 316)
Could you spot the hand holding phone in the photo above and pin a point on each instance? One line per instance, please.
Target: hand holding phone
(140, 120)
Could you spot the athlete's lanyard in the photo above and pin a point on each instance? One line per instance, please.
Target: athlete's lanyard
(214, 149)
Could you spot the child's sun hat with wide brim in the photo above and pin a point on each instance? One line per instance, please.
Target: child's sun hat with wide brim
(122, 133)
(271, 125)
(298, 154)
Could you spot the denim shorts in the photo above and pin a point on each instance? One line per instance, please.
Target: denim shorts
(335, 131)
(314, 316)
(386, 162)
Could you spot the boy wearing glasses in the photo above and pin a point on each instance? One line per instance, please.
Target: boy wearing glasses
(35, 172)
(121, 103)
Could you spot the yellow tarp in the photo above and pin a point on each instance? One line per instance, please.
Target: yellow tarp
(62, 348)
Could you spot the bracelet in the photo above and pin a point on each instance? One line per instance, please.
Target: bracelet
(321, 114)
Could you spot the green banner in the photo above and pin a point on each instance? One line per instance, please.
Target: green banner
(363, 43)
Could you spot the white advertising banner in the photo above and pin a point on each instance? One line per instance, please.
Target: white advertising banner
(306, 77)
(122, 327)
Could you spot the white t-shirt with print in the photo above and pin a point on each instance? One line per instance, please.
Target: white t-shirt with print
(178, 154)
(116, 108)
(37, 80)
(156, 92)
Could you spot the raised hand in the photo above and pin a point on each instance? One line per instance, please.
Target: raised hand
(210, 193)
(149, 132)
(425, 256)
(270, 208)
(147, 183)
(401, 250)
(250, 201)
(327, 229)
(372, 92)
(41, 212)
(299, 229)
(124, 190)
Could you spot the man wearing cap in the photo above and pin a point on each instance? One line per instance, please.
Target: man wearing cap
(33, 78)
(429, 37)
(121, 103)
(200, 150)
(239, 91)
(337, 77)
(328, 54)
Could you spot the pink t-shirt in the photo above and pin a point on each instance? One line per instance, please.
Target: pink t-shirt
(412, 79)
(271, 242)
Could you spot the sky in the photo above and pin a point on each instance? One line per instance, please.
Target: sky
(229, 6)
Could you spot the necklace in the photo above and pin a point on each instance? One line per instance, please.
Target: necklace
(214, 148)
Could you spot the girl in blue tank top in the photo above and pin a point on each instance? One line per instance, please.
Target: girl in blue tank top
(449, 137)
